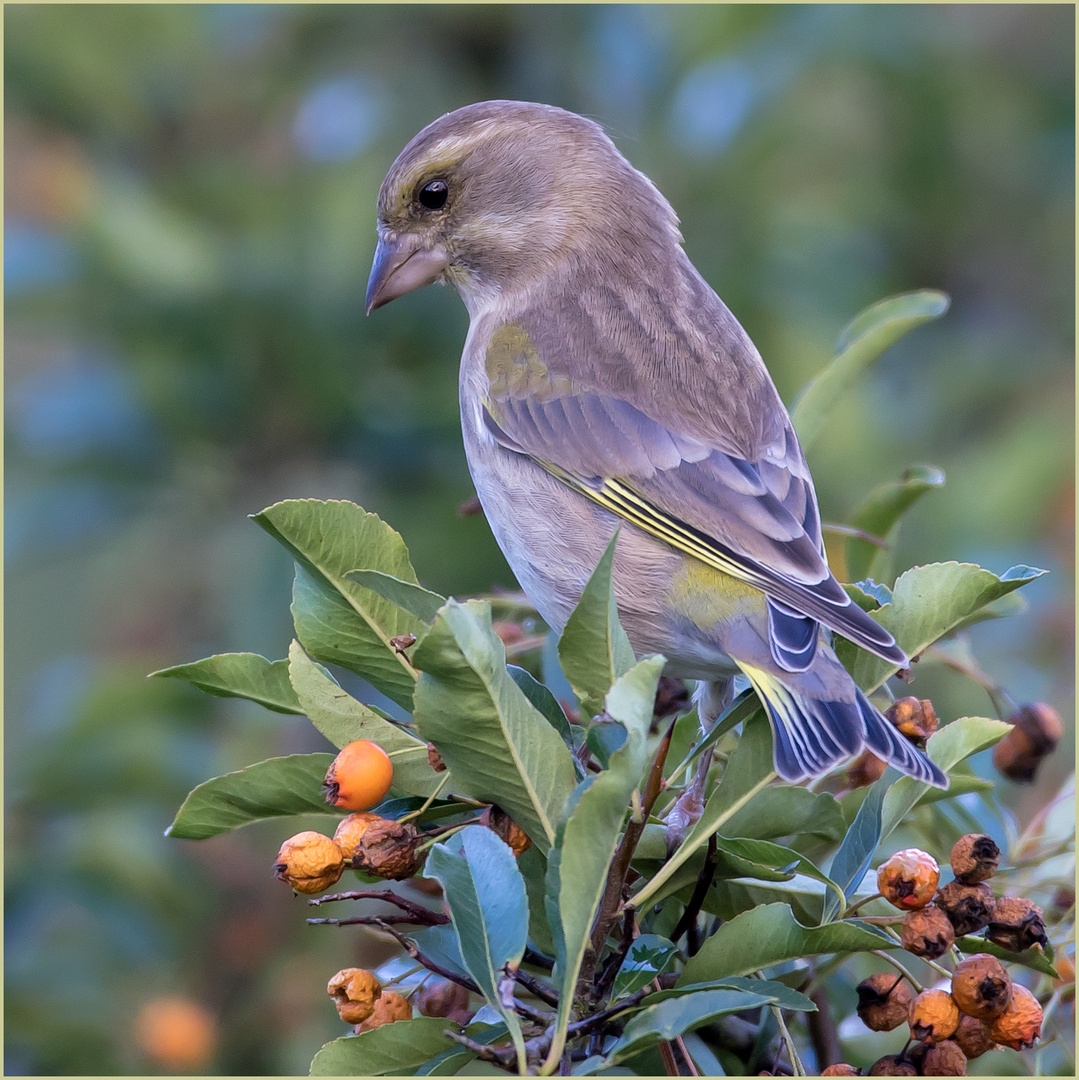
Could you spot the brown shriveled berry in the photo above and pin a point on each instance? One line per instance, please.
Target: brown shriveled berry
(884, 1001)
(309, 862)
(354, 992)
(934, 1016)
(892, 1065)
(975, 857)
(927, 932)
(1020, 1025)
(350, 829)
(865, 770)
(499, 822)
(434, 758)
(389, 1007)
(973, 1037)
(388, 849)
(1016, 924)
(915, 1053)
(981, 987)
(944, 1059)
(914, 717)
(908, 879)
(1036, 731)
(841, 1069)
(967, 906)
(444, 998)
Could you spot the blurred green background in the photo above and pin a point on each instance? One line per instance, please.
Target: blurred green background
(190, 196)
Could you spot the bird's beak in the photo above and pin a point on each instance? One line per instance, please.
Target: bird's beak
(400, 266)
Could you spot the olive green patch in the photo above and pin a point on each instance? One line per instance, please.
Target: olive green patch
(514, 368)
(707, 596)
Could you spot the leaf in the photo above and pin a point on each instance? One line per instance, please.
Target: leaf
(946, 747)
(593, 649)
(241, 675)
(927, 603)
(337, 620)
(649, 955)
(278, 787)
(441, 945)
(543, 701)
(880, 515)
(748, 772)
(533, 867)
(668, 1019)
(1033, 958)
(852, 859)
(864, 339)
(787, 811)
(770, 935)
(868, 595)
(741, 709)
(390, 1050)
(499, 748)
(489, 908)
(782, 995)
(415, 599)
(578, 864)
(343, 719)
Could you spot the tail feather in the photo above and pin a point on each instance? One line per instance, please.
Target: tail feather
(812, 736)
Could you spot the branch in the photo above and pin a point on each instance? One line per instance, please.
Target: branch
(423, 914)
(700, 891)
(822, 1029)
(372, 920)
(536, 988)
(617, 959)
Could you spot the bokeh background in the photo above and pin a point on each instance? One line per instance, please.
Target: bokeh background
(189, 200)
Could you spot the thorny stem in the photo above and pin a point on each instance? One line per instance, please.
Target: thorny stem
(430, 799)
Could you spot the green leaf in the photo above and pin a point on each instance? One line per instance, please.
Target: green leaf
(533, 867)
(499, 748)
(489, 908)
(864, 339)
(279, 787)
(543, 701)
(241, 675)
(337, 620)
(1035, 959)
(415, 599)
(649, 955)
(771, 935)
(947, 747)
(668, 1019)
(390, 1050)
(343, 719)
(782, 995)
(852, 859)
(741, 709)
(927, 603)
(880, 515)
(593, 648)
(578, 864)
(787, 811)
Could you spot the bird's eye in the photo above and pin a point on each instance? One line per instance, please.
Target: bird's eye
(433, 196)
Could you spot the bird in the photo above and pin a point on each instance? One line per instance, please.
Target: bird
(604, 386)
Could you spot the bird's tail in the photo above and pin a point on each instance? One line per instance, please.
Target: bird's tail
(813, 735)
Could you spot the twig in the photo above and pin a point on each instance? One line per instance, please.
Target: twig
(918, 988)
(536, 988)
(796, 1062)
(616, 959)
(374, 920)
(685, 1053)
(537, 959)
(822, 1029)
(700, 891)
(388, 896)
(861, 903)
(504, 1056)
(857, 534)
(430, 799)
(413, 950)
(670, 1066)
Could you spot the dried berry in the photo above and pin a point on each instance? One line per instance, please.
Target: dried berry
(672, 695)
(892, 1065)
(944, 1059)
(389, 1007)
(445, 998)
(434, 758)
(387, 849)
(1036, 731)
(1016, 924)
(498, 821)
(981, 987)
(354, 992)
(913, 717)
(975, 857)
(967, 906)
(359, 776)
(1020, 1025)
(934, 1016)
(927, 932)
(908, 879)
(866, 769)
(973, 1038)
(884, 1001)
(309, 862)
(351, 828)
(841, 1069)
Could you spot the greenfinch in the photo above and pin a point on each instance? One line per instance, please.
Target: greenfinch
(605, 385)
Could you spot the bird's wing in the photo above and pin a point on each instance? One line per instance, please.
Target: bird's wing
(754, 520)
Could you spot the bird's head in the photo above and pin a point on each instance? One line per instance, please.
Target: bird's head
(495, 195)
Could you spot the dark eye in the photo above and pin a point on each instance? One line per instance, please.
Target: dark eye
(433, 196)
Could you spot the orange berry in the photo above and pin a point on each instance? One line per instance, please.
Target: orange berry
(389, 1007)
(1020, 1025)
(354, 992)
(981, 986)
(309, 862)
(934, 1016)
(359, 776)
(176, 1033)
(908, 879)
